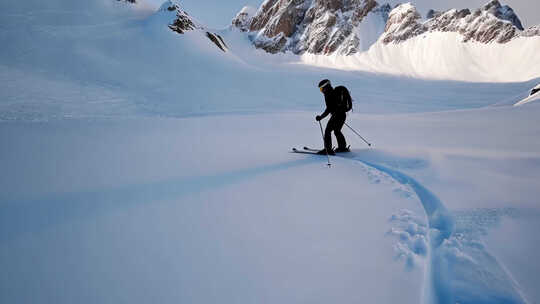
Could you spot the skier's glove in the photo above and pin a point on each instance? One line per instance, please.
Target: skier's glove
(318, 118)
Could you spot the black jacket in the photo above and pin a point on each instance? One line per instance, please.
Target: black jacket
(331, 100)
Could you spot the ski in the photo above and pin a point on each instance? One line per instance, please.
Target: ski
(304, 151)
(315, 150)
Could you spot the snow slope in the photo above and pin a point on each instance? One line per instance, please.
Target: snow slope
(442, 55)
(179, 218)
(141, 165)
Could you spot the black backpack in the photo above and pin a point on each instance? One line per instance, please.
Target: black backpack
(343, 99)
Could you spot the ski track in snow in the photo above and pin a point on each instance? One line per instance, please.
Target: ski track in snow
(459, 269)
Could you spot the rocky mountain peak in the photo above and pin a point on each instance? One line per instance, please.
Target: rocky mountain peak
(345, 27)
(313, 26)
(242, 21)
(433, 13)
(181, 22)
(505, 12)
(491, 23)
(403, 23)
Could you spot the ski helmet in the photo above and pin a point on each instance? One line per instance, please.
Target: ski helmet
(324, 83)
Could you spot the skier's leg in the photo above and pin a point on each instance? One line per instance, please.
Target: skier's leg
(339, 122)
(328, 135)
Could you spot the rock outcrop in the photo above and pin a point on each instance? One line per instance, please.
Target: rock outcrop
(531, 31)
(242, 20)
(347, 27)
(491, 23)
(313, 26)
(181, 22)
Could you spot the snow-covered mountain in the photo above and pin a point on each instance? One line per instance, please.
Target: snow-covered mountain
(491, 23)
(180, 22)
(351, 26)
(141, 163)
(316, 27)
(480, 46)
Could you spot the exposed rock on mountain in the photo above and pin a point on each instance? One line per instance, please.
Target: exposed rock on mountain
(402, 24)
(182, 22)
(491, 23)
(532, 31)
(217, 40)
(242, 20)
(433, 14)
(534, 96)
(503, 12)
(314, 26)
(346, 27)
(535, 90)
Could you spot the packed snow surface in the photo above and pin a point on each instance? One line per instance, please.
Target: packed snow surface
(141, 165)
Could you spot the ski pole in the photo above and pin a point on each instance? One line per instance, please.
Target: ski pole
(322, 134)
(358, 134)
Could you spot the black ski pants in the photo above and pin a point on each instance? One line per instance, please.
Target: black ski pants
(335, 123)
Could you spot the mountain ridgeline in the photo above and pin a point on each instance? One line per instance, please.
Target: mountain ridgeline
(346, 27)
(181, 22)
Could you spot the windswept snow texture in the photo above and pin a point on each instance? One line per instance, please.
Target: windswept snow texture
(142, 165)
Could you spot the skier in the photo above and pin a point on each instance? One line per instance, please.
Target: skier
(338, 102)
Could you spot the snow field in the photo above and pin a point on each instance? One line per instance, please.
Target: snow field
(230, 225)
(105, 200)
(240, 224)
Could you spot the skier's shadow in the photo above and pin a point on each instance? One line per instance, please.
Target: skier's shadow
(19, 216)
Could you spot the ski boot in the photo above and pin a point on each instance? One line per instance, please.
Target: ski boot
(344, 149)
(323, 152)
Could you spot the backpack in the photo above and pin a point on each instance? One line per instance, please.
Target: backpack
(343, 99)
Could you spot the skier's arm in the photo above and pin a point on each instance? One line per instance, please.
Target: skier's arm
(325, 113)
(328, 109)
